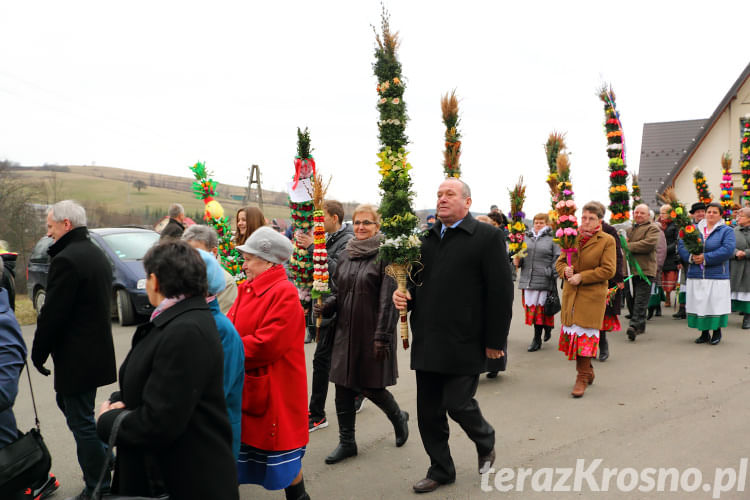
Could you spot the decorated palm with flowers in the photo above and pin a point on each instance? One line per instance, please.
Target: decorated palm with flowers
(301, 261)
(688, 232)
(701, 186)
(635, 191)
(727, 187)
(566, 234)
(401, 246)
(552, 148)
(619, 198)
(204, 189)
(452, 153)
(320, 286)
(517, 227)
(745, 158)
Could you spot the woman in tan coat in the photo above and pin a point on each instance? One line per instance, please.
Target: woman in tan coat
(585, 293)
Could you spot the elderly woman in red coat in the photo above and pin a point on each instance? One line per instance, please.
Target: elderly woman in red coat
(269, 318)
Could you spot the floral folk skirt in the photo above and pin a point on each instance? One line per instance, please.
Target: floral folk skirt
(611, 323)
(578, 341)
(533, 305)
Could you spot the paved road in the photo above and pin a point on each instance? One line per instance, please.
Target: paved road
(661, 401)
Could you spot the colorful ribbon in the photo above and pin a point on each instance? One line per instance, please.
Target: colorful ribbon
(298, 164)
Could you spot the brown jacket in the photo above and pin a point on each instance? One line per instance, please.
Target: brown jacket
(584, 304)
(642, 241)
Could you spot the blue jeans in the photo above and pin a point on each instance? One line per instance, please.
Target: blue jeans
(92, 452)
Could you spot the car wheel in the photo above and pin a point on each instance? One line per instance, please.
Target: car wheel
(39, 298)
(125, 311)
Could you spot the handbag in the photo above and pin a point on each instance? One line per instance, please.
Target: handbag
(552, 303)
(26, 460)
(110, 462)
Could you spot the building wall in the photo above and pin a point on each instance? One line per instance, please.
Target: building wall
(724, 136)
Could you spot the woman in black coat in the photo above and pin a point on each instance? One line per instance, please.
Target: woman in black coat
(176, 437)
(363, 355)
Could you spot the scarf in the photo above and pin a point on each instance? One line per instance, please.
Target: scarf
(541, 232)
(586, 236)
(359, 249)
(166, 304)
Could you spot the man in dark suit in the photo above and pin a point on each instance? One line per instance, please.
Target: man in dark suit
(74, 327)
(460, 318)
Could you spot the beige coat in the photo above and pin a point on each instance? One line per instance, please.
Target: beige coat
(643, 240)
(584, 304)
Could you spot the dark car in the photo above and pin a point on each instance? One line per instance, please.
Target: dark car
(125, 248)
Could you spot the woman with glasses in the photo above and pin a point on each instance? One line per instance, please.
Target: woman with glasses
(363, 358)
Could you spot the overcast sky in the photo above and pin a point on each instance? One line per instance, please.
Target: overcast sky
(157, 86)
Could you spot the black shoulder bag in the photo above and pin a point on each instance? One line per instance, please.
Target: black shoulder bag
(552, 303)
(110, 461)
(25, 461)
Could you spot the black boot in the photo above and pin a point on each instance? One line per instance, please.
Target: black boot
(716, 338)
(746, 321)
(703, 338)
(547, 332)
(603, 346)
(680, 314)
(658, 310)
(536, 344)
(384, 400)
(650, 312)
(347, 447)
(296, 491)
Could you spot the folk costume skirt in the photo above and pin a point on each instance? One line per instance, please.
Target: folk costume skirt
(274, 470)
(578, 341)
(741, 302)
(709, 303)
(533, 305)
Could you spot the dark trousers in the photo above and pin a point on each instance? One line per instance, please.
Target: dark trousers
(321, 366)
(381, 396)
(79, 414)
(439, 394)
(641, 294)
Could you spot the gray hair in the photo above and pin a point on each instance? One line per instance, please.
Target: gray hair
(745, 211)
(202, 234)
(465, 189)
(68, 209)
(175, 210)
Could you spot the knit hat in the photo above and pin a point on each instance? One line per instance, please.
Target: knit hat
(214, 273)
(268, 245)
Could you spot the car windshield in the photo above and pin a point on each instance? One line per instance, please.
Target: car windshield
(131, 246)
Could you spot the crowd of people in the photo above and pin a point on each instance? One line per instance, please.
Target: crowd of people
(213, 392)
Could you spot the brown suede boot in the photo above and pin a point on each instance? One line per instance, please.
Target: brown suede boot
(582, 379)
(590, 371)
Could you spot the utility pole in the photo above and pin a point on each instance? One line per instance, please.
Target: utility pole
(254, 178)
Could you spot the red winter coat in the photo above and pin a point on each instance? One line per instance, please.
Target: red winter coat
(268, 316)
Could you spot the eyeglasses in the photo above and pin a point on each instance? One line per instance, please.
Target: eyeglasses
(365, 223)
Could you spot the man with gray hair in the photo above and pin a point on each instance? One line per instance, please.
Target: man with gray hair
(75, 328)
(643, 239)
(175, 226)
(452, 345)
(205, 238)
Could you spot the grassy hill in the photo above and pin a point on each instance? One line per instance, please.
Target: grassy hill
(114, 189)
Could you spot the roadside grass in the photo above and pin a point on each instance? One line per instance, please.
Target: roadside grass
(25, 313)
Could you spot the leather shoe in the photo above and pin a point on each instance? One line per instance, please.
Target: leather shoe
(746, 322)
(486, 461)
(426, 485)
(631, 333)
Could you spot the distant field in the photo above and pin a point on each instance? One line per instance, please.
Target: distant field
(102, 185)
